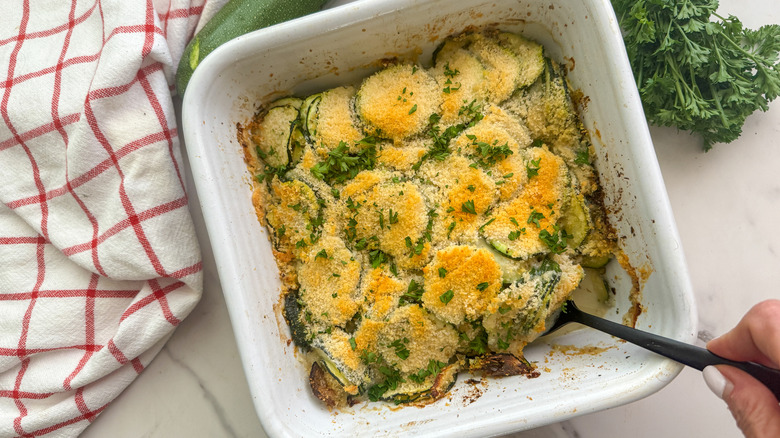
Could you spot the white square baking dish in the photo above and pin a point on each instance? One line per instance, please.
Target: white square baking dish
(341, 45)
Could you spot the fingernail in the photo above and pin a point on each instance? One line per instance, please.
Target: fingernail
(717, 383)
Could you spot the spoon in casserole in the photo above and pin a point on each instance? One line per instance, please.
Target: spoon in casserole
(686, 354)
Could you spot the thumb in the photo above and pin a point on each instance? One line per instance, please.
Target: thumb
(752, 404)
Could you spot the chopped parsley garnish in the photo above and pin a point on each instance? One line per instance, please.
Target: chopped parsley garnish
(468, 207)
(449, 72)
(514, 235)
(532, 167)
(446, 297)
(450, 227)
(583, 156)
(441, 140)
(535, 217)
(482, 228)
(414, 248)
(361, 244)
(400, 348)
(477, 346)
(377, 257)
(323, 254)
(434, 367)
(393, 217)
(352, 205)
(392, 379)
(341, 166)
(413, 294)
(483, 286)
(487, 154)
(368, 357)
(353, 344)
(555, 241)
(442, 272)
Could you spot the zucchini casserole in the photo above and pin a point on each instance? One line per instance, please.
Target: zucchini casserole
(428, 221)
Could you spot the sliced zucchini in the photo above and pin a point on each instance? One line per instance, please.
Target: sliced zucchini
(397, 102)
(460, 283)
(293, 314)
(389, 214)
(292, 101)
(529, 53)
(432, 387)
(576, 220)
(351, 379)
(503, 249)
(522, 308)
(599, 246)
(593, 285)
(272, 135)
(500, 365)
(595, 261)
(512, 270)
(294, 216)
(546, 107)
(466, 194)
(546, 277)
(334, 370)
(412, 338)
(296, 145)
(526, 226)
(308, 111)
(325, 387)
(461, 79)
(329, 276)
(330, 119)
(503, 69)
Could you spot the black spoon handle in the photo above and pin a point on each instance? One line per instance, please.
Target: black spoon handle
(686, 354)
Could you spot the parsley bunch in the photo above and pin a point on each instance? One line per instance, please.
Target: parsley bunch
(698, 74)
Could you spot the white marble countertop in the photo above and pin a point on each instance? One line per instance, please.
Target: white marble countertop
(727, 206)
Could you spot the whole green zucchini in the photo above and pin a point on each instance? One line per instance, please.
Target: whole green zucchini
(236, 18)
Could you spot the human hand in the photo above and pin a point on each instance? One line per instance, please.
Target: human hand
(756, 338)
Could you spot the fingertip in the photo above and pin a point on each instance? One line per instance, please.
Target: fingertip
(717, 382)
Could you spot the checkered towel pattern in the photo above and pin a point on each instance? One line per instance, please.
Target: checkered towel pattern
(98, 256)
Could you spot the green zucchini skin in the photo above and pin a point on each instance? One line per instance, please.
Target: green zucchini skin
(236, 18)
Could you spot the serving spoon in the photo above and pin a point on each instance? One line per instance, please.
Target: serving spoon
(686, 354)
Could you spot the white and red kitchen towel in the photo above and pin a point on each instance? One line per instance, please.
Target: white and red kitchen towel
(99, 260)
